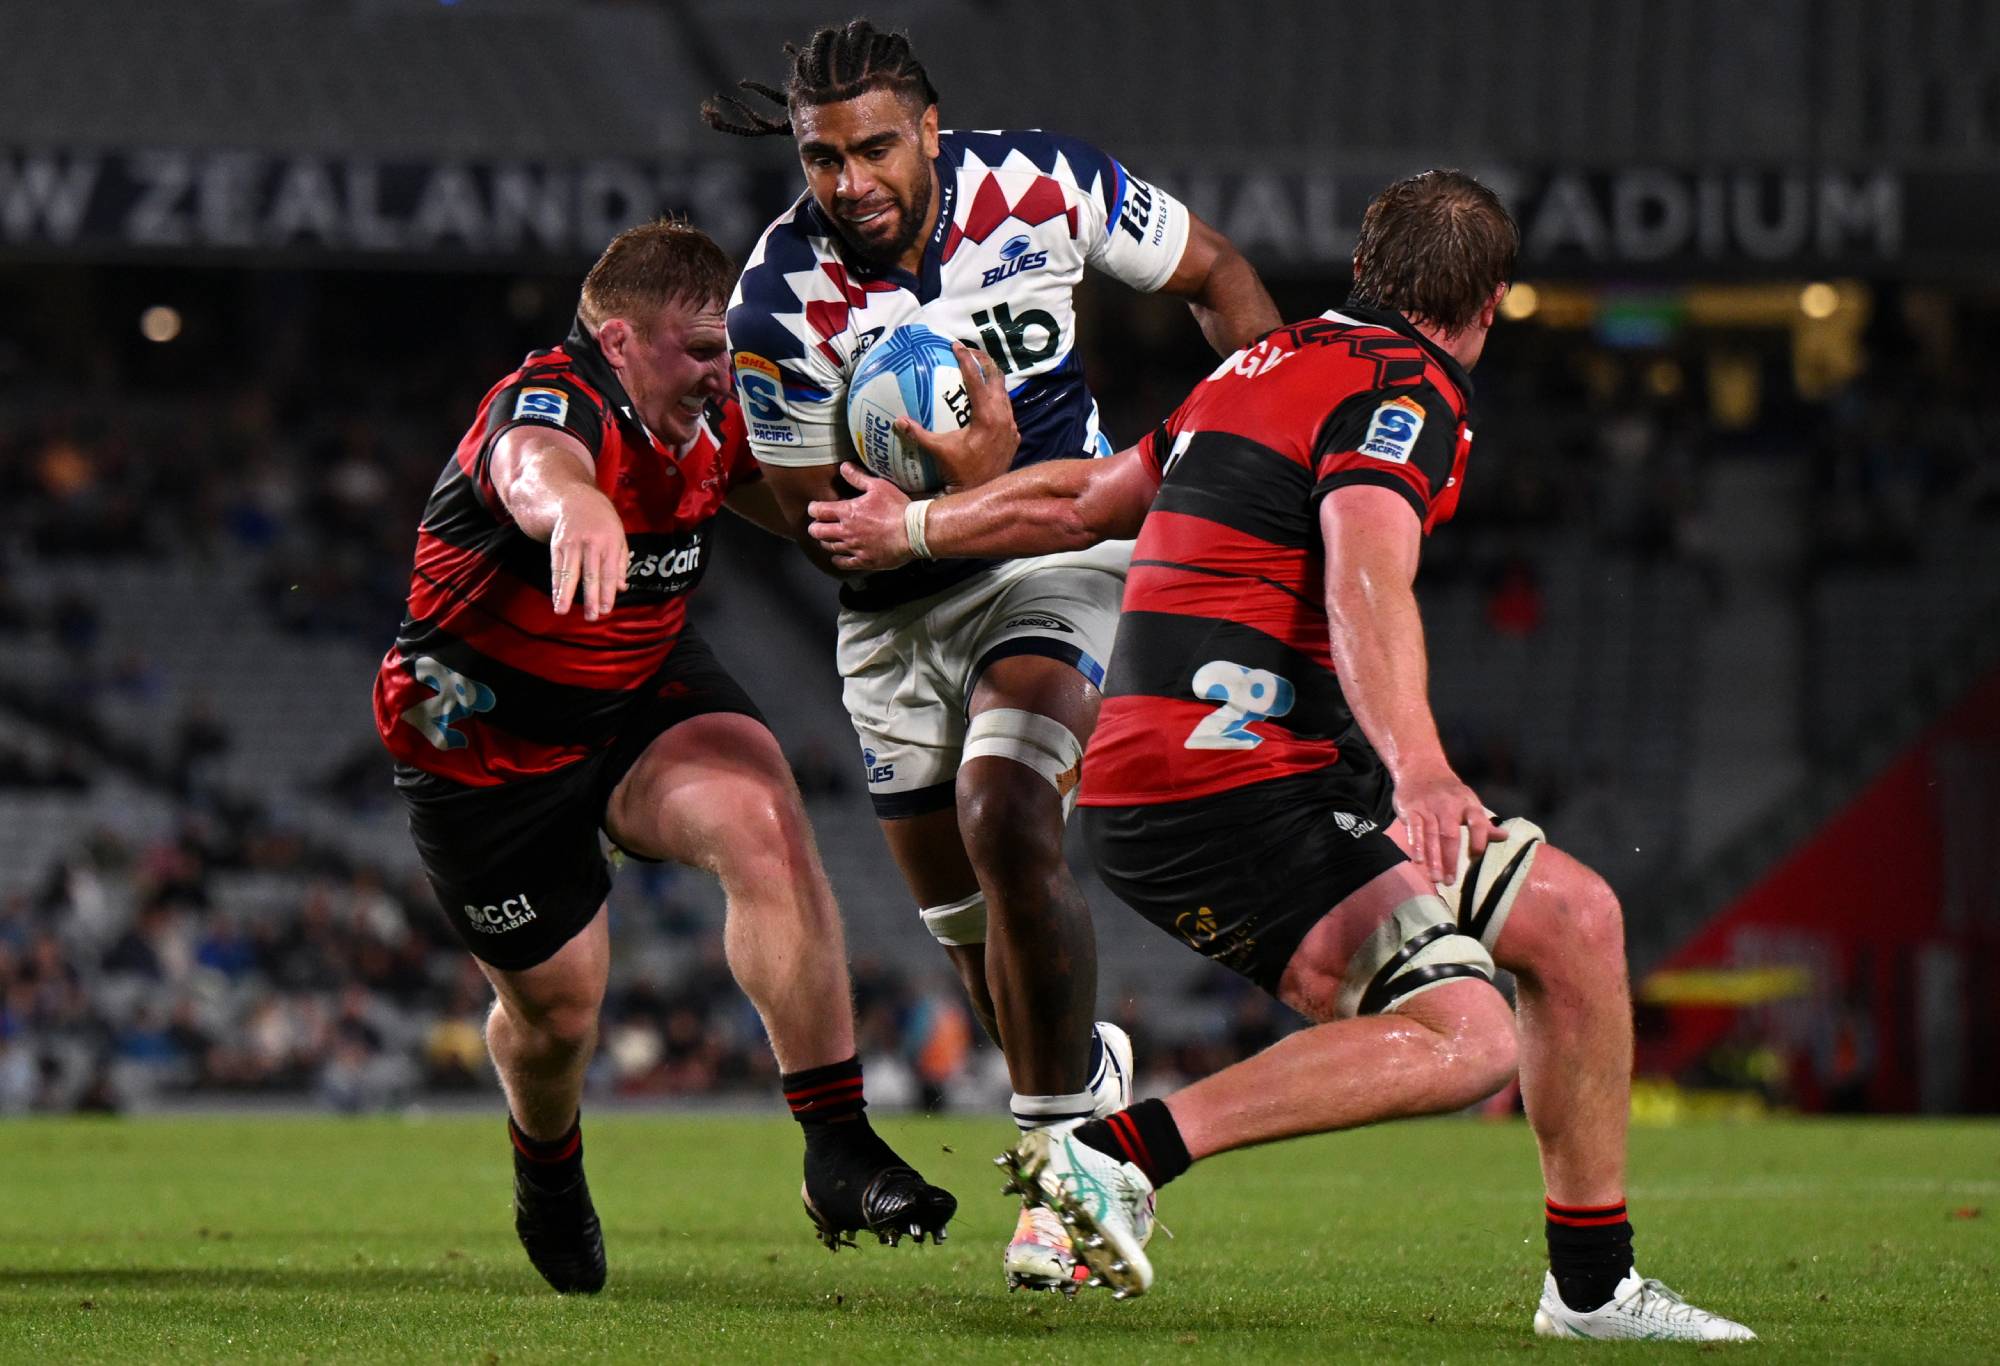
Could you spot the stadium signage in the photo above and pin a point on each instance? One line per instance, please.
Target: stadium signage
(1625, 218)
(179, 200)
(182, 201)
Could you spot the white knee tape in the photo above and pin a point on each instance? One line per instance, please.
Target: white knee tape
(1416, 948)
(957, 924)
(1494, 880)
(1026, 737)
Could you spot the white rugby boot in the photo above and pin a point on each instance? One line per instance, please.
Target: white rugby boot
(1638, 1309)
(1106, 1205)
(1041, 1257)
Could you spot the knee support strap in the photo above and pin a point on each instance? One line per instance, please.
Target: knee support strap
(1416, 948)
(957, 924)
(1487, 887)
(1041, 742)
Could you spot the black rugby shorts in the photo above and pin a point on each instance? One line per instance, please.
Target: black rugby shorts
(1241, 876)
(518, 867)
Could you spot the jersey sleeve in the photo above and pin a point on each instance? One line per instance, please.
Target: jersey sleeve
(547, 401)
(1404, 439)
(1130, 230)
(533, 400)
(791, 394)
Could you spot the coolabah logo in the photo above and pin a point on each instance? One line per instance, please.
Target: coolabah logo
(510, 914)
(1015, 259)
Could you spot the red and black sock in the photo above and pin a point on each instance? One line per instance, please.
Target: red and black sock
(551, 1164)
(1144, 1135)
(822, 1095)
(828, 1104)
(1590, 1252)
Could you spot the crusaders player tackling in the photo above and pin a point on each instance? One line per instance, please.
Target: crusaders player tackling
(1267, 785)
(546, 689)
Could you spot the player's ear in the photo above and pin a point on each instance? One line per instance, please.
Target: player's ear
(614, 339)
(927, 131)
(1491, 311)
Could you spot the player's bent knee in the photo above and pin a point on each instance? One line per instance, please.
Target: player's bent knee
(957, 924)
(1415, 949)
(1568, 919)
(1011, 833)
(1595, 913)
(1472, 1036)
(555, 1026)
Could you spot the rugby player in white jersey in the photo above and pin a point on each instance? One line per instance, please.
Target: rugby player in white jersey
(973, 685)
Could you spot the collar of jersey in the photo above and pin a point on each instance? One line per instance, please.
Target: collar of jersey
(1396, 322)
(928, 282)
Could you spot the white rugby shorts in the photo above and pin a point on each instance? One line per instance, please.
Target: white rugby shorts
(908, 672)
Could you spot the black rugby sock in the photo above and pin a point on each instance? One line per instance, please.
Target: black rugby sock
(553, 1163)
(829, 1105)
(1590, 1252)
(1144, 1135)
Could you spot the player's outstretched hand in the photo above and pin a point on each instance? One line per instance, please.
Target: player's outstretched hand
(864, 534)
(1434, 808)
(985, 447)
(587, 555)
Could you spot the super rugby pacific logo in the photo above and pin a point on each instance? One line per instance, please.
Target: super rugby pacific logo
(1015, 258)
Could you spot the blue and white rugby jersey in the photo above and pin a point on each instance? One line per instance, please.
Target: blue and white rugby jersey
(1020, 214)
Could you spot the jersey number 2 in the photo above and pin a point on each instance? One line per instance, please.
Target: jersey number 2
(1246, 695)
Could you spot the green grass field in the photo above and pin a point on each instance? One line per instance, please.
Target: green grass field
(390, 1239)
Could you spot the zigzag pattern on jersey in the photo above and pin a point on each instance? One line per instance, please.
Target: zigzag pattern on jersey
(793, 282)
(1041, 201)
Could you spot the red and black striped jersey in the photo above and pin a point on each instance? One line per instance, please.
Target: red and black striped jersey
(1223, 674)
(486, 683)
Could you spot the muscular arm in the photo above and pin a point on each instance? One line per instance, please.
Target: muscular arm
(547, 481)
(1372, 545)
(1038, 510)
(1223, 290)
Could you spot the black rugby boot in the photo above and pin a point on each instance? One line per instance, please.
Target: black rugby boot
(560, 1231)
(855, 1182)
(552, 1211)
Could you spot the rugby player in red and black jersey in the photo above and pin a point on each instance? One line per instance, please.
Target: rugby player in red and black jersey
(546, 687)
(1266, 781)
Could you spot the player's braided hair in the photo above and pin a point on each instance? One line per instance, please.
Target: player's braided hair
(1434, 247)
(837, 64)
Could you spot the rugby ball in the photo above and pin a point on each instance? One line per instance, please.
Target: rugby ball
(910, 373)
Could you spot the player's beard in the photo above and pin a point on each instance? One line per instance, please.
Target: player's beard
(909, 224)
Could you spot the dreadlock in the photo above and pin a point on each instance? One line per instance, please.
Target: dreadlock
(838, 64)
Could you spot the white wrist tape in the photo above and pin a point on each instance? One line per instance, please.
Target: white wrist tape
(914, 514)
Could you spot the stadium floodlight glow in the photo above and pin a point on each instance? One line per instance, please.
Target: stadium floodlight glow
(1521, 301)
(160, 323)
(1819, 300)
